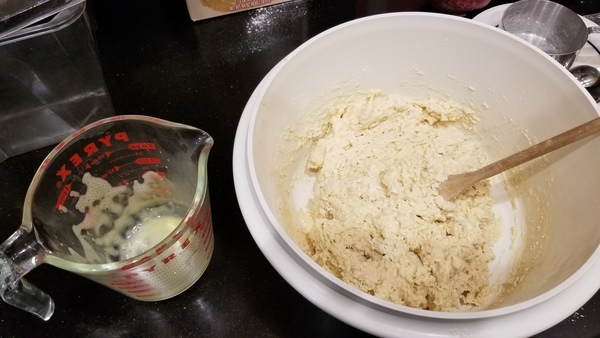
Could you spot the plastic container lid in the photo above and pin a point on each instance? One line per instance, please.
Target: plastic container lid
(24, 19)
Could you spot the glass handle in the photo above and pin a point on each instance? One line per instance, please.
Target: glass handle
(28, 297)
(19, 254)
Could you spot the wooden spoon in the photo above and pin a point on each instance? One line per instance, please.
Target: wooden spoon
(456, 184)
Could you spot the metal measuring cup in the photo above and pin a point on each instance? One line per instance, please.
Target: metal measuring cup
(549, 26)
(123, 202)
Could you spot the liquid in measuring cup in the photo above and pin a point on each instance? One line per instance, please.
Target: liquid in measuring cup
(147, 233)
(125, 221)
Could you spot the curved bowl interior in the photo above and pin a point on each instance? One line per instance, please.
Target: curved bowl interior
(523, 95)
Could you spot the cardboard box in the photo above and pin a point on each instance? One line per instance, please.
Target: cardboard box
(204, 9)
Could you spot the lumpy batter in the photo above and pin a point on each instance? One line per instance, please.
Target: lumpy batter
(375, 219)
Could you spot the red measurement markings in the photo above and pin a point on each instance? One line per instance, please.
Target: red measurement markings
(204, 221)
(142, 146)
(154, 294)
(78, 132)
(177, 236)
(97, 123)
(150, 269)
(208, 249)
(126, 282)
(168, 259)
(190, 221)
(59, 146)
(141, 291)
(126, 155)
(147, 160)
(62, 197)
(161, 248)
(125, 176)
(44, 164)
(134, 264)
(92, 161)
(185, 243)
(119, 159)
(111, 171)
(132, 275)
(134, 287)
(206, 231)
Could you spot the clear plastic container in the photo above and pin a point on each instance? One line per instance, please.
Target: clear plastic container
(51, 83)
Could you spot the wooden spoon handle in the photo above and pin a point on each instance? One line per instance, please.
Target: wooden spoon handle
(542, 148)
(455, 184)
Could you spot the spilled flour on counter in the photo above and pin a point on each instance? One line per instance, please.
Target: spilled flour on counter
(372, 215)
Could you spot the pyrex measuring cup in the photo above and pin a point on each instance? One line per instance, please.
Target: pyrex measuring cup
(123, 202)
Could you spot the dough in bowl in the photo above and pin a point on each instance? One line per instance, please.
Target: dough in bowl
(371, 163)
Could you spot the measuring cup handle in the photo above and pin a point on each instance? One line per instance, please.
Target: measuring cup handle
(593, 29)
(28, 297)
(19, 254)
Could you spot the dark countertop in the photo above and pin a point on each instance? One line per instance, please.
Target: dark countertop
(157, 62)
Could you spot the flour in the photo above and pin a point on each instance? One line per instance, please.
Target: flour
(375, 219)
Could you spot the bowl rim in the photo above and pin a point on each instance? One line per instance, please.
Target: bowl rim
(370, 319)
(302, 258)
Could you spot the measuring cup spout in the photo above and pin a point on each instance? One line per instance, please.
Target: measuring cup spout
(18, 255)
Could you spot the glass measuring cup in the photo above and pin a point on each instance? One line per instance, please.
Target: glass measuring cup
(124, 202)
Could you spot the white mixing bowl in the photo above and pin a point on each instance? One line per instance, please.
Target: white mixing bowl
(523, 95)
